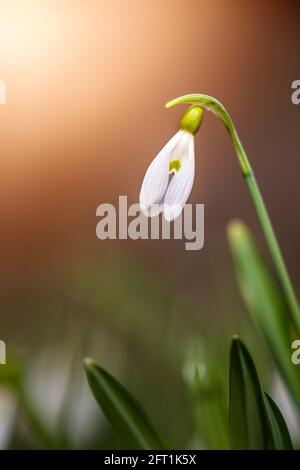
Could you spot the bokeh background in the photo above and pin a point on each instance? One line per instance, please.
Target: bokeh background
(87, 81)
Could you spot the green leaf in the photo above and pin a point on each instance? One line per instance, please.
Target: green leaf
(248, 418)
(264, 301)
(121, 409)
(281, 436)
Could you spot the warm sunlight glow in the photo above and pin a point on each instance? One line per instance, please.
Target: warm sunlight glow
(28, 32)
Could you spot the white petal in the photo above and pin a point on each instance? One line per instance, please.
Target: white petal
(181, 184)
(157, 176)
(181, 150)
(152, 210)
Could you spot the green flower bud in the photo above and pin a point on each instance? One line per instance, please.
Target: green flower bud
(191, 120)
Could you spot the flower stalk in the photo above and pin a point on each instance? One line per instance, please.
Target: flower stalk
(213, 105)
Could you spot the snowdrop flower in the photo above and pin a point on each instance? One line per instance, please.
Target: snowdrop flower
(169, 179)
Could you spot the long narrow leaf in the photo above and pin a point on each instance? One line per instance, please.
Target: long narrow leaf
(121, 409)
(281, 436)
(264, 301)
(249, 423)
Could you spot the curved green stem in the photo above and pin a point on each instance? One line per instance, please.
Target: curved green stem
(213, 105)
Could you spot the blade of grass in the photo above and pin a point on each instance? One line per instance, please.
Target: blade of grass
(248, 419)
(121, 409)
(281, 436)
(264, 301)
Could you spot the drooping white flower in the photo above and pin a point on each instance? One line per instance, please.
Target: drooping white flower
(169, 179)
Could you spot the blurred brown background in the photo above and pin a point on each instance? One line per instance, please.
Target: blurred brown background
(86, 86)
(87, 81)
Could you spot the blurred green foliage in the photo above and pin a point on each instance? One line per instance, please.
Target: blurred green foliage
(174, 358)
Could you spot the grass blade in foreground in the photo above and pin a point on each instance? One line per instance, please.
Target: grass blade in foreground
(264, 301)
(121, 409)
(248, 418)
(281, 436)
